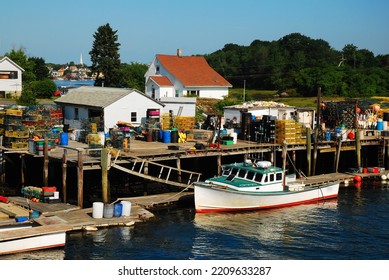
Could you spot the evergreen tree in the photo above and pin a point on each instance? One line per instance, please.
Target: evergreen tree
(105, 57)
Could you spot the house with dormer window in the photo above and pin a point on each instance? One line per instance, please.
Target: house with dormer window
(171, 76)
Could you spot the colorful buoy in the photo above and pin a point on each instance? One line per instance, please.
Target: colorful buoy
(357, 178)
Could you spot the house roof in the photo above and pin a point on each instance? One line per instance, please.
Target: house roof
(12, 62)
(161, 80)
(192, 71)
(100, 97)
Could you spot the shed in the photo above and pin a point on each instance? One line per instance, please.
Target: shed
(85, 104)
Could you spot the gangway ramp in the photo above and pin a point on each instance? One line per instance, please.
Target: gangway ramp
(157, 172)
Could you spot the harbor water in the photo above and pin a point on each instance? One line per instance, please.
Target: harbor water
(352, 227)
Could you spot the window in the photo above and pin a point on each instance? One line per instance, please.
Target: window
(76, 116)
(226, 171)
(8, 75)
(242, 173)
(157, 70)
(258, 177)
(193, 92)
(133, 117)
(153, 92)
(250, 175)
(271, 177)
(177, 93)
(279, 176)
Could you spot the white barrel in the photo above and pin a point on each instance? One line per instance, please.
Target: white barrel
(234, 137)
(102, 138)
(385, 123)
(97, 210)
(126, 209)
(108, 210)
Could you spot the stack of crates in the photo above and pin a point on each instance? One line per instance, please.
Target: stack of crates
(289, 131)
(184, 123)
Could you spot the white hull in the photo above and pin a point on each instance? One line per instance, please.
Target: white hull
(18, 240)
(213, 199)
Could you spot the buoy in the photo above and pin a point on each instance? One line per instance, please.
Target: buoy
(383, 177)
(357, 178)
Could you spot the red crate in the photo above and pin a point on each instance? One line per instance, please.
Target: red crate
(49, 189)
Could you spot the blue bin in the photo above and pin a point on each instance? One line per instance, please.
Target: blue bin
(117, 210)
(64, 138)
(166, 136)
(328, 135)
(380, 125)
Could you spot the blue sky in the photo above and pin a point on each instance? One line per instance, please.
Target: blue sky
(59, 31)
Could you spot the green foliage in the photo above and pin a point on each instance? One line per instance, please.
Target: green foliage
(105, 57)
(304, 64)
(39, 69)
(43, 89)
(27, 98)
(133, 75)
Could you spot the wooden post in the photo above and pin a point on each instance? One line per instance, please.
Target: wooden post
(358, 147)
(146, 172)
(104, 175)
(339, 147)
(80, 177)
(178, 163)
(46, 162)
(64, 171)
(284, 152)
(219, 165)
(22, 164)
(317, 127)
(2, 163)
(309, 151)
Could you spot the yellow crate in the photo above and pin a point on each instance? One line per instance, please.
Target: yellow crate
(21, 134)
(14, 112)
(19, 145)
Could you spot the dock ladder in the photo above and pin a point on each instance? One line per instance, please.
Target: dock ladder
(158, 172)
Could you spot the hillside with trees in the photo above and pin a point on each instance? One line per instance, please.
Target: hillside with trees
(298, 65)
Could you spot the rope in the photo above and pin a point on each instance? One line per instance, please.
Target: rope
(169, 198)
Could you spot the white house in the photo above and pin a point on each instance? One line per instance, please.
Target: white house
(180, 76)
(10, 78)
(111, 105)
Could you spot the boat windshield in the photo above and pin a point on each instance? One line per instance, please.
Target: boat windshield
(226, 171)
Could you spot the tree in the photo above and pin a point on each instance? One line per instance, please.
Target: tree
(43, 89)
(133, 75)
(39, 68)
(105, 57)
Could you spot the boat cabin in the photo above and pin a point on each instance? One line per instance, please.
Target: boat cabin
(260, 176)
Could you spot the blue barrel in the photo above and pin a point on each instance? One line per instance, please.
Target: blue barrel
(64, 138)
(117, 210)
(380, 124)
(166, 136)
(328, 135)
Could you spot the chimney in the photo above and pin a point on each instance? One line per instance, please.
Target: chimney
(179, 52)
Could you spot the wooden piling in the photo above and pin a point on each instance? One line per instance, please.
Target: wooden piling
(219, 165)
(338, 149)
(104, 175)
(80, 178)
(178, 164)
(64, 172)
(46, 162)
(309, 151)
(358, 147)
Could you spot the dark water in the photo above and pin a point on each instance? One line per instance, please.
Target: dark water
(353, 227)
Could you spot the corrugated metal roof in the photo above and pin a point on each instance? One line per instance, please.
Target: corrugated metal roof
(99, 97)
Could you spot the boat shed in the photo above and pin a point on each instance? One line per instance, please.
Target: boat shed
(258, 109)
(110, 105)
